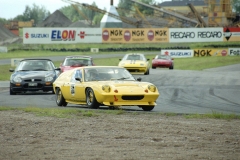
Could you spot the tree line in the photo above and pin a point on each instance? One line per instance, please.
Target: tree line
(76, 13)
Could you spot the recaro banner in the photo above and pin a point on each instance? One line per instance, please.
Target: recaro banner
(195, 35)
(61, 35)
(138, 35)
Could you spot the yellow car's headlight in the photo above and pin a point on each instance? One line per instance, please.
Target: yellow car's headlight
(152, 88)
(106, 88)
(142, 64)
(122, 64)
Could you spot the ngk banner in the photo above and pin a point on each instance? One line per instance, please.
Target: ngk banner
(135, 35)
(61, 35)
(195, 35)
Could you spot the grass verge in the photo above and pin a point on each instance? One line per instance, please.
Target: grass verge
(77, 113)
(195, 63)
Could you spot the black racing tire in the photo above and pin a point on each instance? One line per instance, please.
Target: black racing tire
(147, 108)
(171, 67)
(153, 67)
(11, 91)
(91, 100)
(60, 100)
(147, 72)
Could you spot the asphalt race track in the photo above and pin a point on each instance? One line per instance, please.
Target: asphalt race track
(181, 91)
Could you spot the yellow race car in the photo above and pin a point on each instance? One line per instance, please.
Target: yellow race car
(111, 86)
(135, 63)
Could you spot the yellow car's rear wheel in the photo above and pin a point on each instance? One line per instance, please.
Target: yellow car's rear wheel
(91, 100)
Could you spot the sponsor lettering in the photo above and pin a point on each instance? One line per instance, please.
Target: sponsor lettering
(202, 53)
(234, 52)
(181, 35)
(210, 34)
(137, 33)
(138, 39)
(39, 35)
(180, 53)
(116, 33)
(161, 39)
(116, 39)
(58, 35)
(160, 33)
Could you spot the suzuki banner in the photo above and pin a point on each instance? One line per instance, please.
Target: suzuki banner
(61, 35)
(178, 53)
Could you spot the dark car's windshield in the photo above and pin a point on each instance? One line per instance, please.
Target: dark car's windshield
(35, 65)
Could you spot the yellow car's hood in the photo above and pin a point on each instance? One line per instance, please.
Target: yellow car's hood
(132, 62)
(119, 84)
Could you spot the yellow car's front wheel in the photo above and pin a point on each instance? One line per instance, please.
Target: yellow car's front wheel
(147, 108)
(60, 100)
(91, 100)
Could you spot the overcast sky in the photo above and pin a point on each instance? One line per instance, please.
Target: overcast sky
(12, 8)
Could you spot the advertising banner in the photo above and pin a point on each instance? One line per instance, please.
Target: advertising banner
(3, 49)
(61, 35)
(231, 34)
(178, 53)
(210, 52)
(195, 35)
(137, 35)
(234, 51)
(112, 35)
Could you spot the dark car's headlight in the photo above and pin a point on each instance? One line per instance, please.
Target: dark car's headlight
(48, 79)
(17, 79)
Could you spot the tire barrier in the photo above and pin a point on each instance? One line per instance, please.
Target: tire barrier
(223, 46)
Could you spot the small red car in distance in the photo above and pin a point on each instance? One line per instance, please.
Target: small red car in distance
(71, 62)
(162, 61)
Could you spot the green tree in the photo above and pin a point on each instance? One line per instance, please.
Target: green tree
(36, 13)
(72, 13)
(146, 10)
(124, 7)
(3, 21)
(236, 6)
(78, 12)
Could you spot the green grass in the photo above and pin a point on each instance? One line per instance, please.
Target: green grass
(195, 63)
(38, 49)
(77, 113)
(213, 115)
